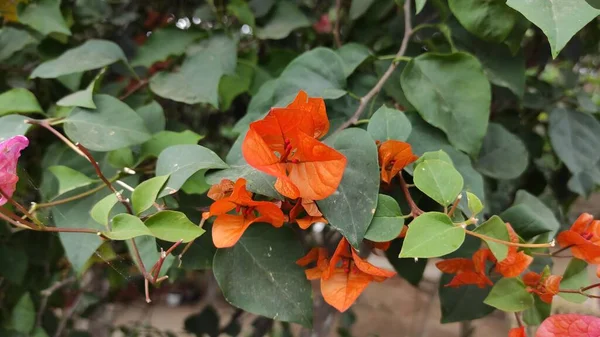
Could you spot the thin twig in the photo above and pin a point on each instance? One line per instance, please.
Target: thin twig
(21, 208)
(518, 318)
(137, 87)
(163, 255)
(415, 211)
(65, 319)
(15, 220)
(365, 99)
(36, 206)
(45, 123)
(46, 293)
(507, 243)
(454, 205)
(336, 28)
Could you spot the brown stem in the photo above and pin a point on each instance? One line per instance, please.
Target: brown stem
(518, 318)
(336, 28)
(108, 184)
(45, 123)
(21, 208)
(69, 230)
(67, 315)
(15, 220)
(375, 90)
(138, 86)
(415, 211)
(46, 294)
(577, 291)
(163, 255)
(507, 243)
(595, 285)
(454, 205)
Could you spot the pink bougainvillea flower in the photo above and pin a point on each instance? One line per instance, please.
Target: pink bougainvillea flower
(517, 332)
(10, 151)
(323, 26)
(569, 325)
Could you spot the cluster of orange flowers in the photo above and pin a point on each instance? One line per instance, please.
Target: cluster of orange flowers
(286, 144)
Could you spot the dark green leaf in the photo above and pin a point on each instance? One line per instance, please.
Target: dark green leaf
(173, 226)
(273, 285)
(18, 101)
(503, 155)
(83, 98)
(121, 158)
(387, 222)
(13, 40)
(463, 303)
(45, 17)
(358, 8)
(489, 20)
(510, 294)
(574, 278)
(165, 139)
(353, 55)
(163, 43)
(538, 313)
(419, 5)
(495, 228)
(126, 226)
(432, 234)
(14, 262)
(286, 17)
(145, 193)
(387, 123)
(203, 323)
(235, 84)
(530, 217)
(439, 180)
(153, 116)
(241, 10)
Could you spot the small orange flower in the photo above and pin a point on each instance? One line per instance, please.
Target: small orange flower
(517, 332)
(221, 190)
(468, 271)
(393, 157)
(344, 277)
(515, 262)
(228, 228)
(543, 285)
(285, 144)
(583, 238)
(312, 213)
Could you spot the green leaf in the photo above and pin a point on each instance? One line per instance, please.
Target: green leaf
(13, 40)
(438, 180)
(260, 103)
(121, 158)
(387, 222)
(575, 277)
(419, 5)
(450, 92)
(18, 100)
(575, 137)
(538, 313)
(495, 228)
(241, 10)
(113, 125)
(126, 226)
(558, 19)
(286, 18)
(432, 234)
(435, 155)
(273, 284)
(69, 179)
(173, 226)
(162, 44)
(165, 139)
(145, 194)
(197, 81)
(353, 54)
(464, 303)
(256, 181)
(488, 20)
(23, 315)
(387, 123)
(410, 269)
(101, 210)
(503, 155)
(93, 54)
(351, 208)
(83, 98)
(182, 161)
(358, 8)
(509, 294)
(14, 262)
(45, 17)
(153, 116)
(530, 217)
(203, 323)
(475, 205)
(235, 84)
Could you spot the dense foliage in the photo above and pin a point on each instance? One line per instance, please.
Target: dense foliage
(329, 131)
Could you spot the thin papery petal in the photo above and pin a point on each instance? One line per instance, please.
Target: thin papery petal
(228, 229)
(582, 223)
(308, 221)
(517, 332)
(10, 151)
(8, 185)
(313, 273)
(342, 289)
(221, 207)
(311, 208)
(370, 269)
(479, 259)
(240, 194)
(221, 190)
(514, 238)
(397, 154)
(580, 247)
(514, 264)
(470, 278)
(551, 285)
(456, 265)
(569, 325)
(259, 155)
(532, 279)
(341, 251)
(310, 257)
(312, 118)
(269, 212)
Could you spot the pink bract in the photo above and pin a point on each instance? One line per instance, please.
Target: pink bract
(10, 151)
(569, 325)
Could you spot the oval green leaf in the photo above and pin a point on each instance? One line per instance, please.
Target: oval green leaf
(18, 100)
(432, 234)
(145, 193)
(173, 226)
(387, 123)
(387, 222)
(126, 226)
(503, 155)
(509, 294)
(438, 180)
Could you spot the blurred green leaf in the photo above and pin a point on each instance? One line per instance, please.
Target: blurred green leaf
(353, 54)
(69, 179)
(574, 278)
(18, 101)
(101, 210)
(162, 44)
(13, 40)
(23, 315)
(530, 217)
(14, 262)
(495, 228)
(45, 17)
(489, 20)
(503, 155)
(153, 116)
(358, 8)
(286, 17)
(13, 125)
(126, 226)
(463, 303)
(165, 139)
(242, 11)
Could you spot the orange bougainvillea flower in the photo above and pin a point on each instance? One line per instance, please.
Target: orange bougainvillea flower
(285, 144)
(517, 332)
(515, 262)
(393, 157)
(345, 276)
(583, 238)
(313, 214)
(543, 285)
(228, 228)
(468, 271)
(221, 190)
(569, 325)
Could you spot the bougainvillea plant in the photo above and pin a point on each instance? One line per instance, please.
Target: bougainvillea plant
(335, 135)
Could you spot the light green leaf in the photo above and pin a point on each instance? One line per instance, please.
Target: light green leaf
(451, 92)
(432, 234)
(18, 100)
(530, 217)
(121, 158)
(113, 125)
(182, 161)
(350, 209)
(286, 17)
(45, 17)
(558, 19)
(509, 294)
(256, 181)
(387, 222)
(274, 285)
(503, 155)
(164, 42)
(575, 137)
(196, 184)
(387, 123)
(575, 277)
(23, 315)
(83, 98)
(438, 180)
(145, 194)
(197, 81)
(153, 116)
(13, 125)
(475, 205)
(435, 155)
(488, 20)
(126, 226)
(359, 7)
(537, 313)
(353, 54)
(69, 179)
(419, 5)
(13, 40)
(165, 139)
(101, 210)
(173, 226)
(495, 228)
(93, 54)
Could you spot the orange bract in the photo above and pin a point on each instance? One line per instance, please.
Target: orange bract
(228, 228)
(515, 262)
(468, 271)
(393, 157)
(545, 286)
(221, 190)
(312, 211)
(517, 332)
(583, 238)
(285, 144)
(344, 277)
